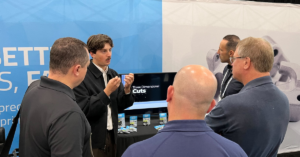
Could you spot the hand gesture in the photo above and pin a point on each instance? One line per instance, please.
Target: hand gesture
(128, 82)
(112, 85)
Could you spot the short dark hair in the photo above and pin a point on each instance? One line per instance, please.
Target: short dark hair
(66, 52)
(233, 40)
(97, 42)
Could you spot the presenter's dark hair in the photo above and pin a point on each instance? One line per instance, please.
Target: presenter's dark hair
(67, 52)
(97, 42)
(233, 40)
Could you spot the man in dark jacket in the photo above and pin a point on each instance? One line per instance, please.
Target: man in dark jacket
(257, 117)
(102, 95)
(226, 50)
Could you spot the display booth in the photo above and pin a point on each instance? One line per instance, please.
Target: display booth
(152, 39)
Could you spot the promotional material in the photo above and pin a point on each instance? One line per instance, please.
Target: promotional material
(132, 129)
(163, 118)
(146, 119)
(159, 127)
(121, 120)
(133, 121)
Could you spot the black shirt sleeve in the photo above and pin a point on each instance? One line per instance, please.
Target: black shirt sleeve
(66, 136)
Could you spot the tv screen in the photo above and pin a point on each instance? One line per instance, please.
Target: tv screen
(150, 89)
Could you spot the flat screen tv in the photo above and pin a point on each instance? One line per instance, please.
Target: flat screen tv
(150, 89)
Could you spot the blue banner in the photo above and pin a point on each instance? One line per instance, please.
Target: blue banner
(29, 28)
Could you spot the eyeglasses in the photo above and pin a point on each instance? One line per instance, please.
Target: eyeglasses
(232, 59)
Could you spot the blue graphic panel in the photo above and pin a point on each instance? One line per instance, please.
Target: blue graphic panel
(29, 28)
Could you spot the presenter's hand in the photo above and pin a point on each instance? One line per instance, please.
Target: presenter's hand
(112, 85)
(128, 82)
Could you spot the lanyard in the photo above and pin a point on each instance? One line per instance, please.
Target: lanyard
(222, 94)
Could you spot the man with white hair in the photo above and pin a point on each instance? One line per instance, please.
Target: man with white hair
(186, 134)
(257, 117)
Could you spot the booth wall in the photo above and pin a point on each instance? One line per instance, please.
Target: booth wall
(192, 28)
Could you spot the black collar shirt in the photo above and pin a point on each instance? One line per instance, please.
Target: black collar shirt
(52, 124)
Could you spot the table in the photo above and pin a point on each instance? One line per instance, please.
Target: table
(290, 147)
(143, 132)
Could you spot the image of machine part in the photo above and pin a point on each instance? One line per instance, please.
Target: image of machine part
(278, 58)
(291, 88)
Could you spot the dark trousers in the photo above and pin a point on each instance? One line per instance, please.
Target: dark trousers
(109, 148)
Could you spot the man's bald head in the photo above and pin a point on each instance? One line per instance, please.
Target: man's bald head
(194, 88)
(195, 83)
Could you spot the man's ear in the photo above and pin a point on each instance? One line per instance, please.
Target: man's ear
(231, 53)
(212, 105)
(76, 69)
(247, 63)
(92, 54)
(170, 93)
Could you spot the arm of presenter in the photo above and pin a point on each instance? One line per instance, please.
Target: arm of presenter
(95, 105)
(125, 96)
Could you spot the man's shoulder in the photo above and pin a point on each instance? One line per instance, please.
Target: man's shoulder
(146, 147)
(232, 100)
(33, 85)
(232, 148)
(155, 145)
(50, 100)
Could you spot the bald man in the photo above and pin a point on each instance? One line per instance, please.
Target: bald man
(186, 134)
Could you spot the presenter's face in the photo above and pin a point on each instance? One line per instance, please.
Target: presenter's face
(224, 56)
(102, 57)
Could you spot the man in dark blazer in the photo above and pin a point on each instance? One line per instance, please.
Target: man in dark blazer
(257, 117)
(226, 50)
(102, 95)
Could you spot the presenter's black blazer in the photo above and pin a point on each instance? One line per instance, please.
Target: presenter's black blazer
(93, 102)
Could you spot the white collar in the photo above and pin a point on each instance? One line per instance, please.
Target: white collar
(103, 71)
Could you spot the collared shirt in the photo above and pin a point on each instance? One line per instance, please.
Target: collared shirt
(229, 85)
(109, 119)
(52, 123)
(188, 138)
(256, 118)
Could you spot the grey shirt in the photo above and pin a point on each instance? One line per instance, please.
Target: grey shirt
(52, 124)
(256, 118)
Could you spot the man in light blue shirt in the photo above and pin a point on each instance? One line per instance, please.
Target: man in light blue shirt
(186, 134)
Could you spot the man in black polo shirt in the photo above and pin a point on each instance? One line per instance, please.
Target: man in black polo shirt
(226, 50)
(52, 124)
